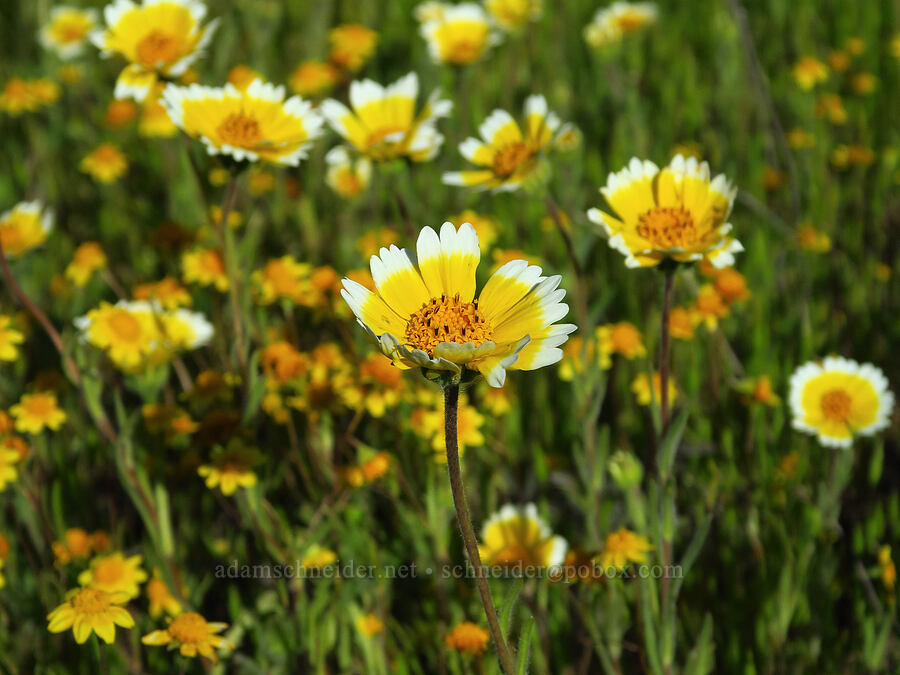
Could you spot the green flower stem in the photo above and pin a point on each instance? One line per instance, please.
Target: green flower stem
(227, 240)
(451, 411)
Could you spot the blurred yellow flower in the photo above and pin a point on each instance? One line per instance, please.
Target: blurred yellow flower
(10, 338)
(731, 285)
(114, 573)
(24, 227)
(622, 338)
(676, 213)
(159, 39)
(576, 354)
(622, 547)
(812, 239)
(837, 399)
(709, 307)
(758, 390)
(351, 45)
(611, 24)
(640, 387)
(282, 279)
(461, 35)
(681, 323)
(76, 543)
(90, 610)
(468, 432)
(485, 226)
(18, 97)
(313, 78)
(120, 112)
(253, 124)
(346, 176)
(67, 30)
(231, 468)
(167, 292)
(838, 60)
(155, 121)
(518, 536)
(8, 461)
(160, 598)
(105, 163)
(507, 158)
(193, 635)
(428, 317)
(855, 45)
(845, 156)
(886, 567)
(317, 557)
(808, 72)
(799, 138)
(369, 625)
(863, 83)
(831, 106)
(205, 267)
(382, 123)
(36, 412)
(468, 637)
(259, 181)
(513, 15)
(87, 259)
(241, 76)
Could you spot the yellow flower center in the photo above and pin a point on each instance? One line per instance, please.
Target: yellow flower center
(190, 628)
(512, 554)
(667, 227)
(40, 406)
(158, 47)
(447, 320)
(90, 601)
(239, 130)
(836, 405)
(378, 136)
(108, 571)
(509, 157)
(70, 30)
(125, 326)
(465, 51)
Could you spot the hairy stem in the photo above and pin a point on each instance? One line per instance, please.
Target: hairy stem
(451, 411)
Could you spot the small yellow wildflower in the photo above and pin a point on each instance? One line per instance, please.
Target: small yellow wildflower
(36, 412)
(193, 635)
(10, 338)
(91, 610)
(468, 637)
(622, 547)
(87, 259)
(105, 163)
(641, 389)
(206, 268)
(114, 573)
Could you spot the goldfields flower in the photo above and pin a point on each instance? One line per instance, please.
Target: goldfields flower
(513, 15)
(468, 637)
(429, 318)
(460, 36)
(730, 285)
(758, 390)
(838, 60)
(352, 45)
(155, 121)
(382, 124)
(831, 106)
(24, 227)
(159, 39)
(676, 213)
(105, 163)
(317, 557)
(838, 399)
(863, 83)
(507, 158)
(67, 30)
(114, 573)
(193, 635)
(282, 279)
(167, 292)
(369, 625)
(812, 239)
(206, 268)
(87, 259)
(808, 72)
(709, 307)
(76, 543)
(10, 338)
(36, 412)
(640, 387)
(516, 535)
(313, 78)
(18, 97)
(886, 566)
(120, 112)
(8, 460)
(345, 176)
(852, 155)
(611, 24)
(126, 331)
(91, 610)
(622, 338)
(242, 76)
(622, 547)
(253, 124)
(160, 598)
(681, 323)
(231, 468)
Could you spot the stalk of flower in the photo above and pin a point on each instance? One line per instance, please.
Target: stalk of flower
(428, 318)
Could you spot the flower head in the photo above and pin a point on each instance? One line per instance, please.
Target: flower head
(516, 535)
(676, 213)
(91, 610)
(161, 598)
(429, 317)
(611, 24)
(313, 78)
(622, 338)
(125, 331)
(205, 267)
(369, 625)
(317, 556)
(468, 637)
(513, 15)
(382, 124)
(507, 156)
(622, 547)
(114, 573)
(8, 472)
(10, 338)
(252, 124)
(461, 35)
(346, 176)
(808, 72)
(87, 259)
(838, 399)
(67, 30)
(167, 292)
(36, 412)
(24, 227)
(352, 45)
(640, 387)
(192, 634)
(159, 38)
(105, 163)
(231, 468)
